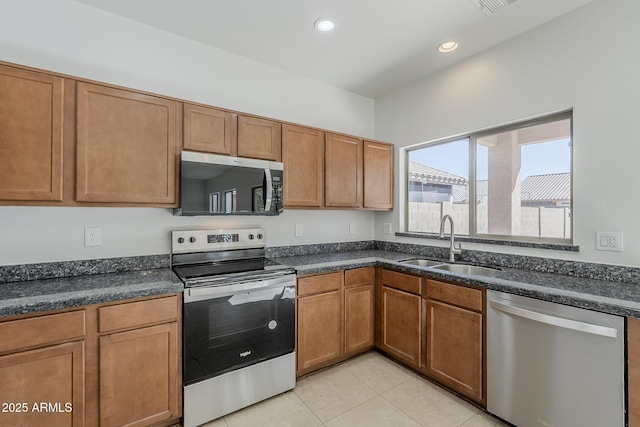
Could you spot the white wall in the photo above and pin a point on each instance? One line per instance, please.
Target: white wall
(75, 39)
(587, 60)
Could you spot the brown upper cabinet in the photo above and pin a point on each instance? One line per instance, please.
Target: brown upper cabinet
(70, 142)
(31, 114)
(378, 175)
(303, 158)
(209, 130)
(343, 168)
(127, 145)
(259, 138)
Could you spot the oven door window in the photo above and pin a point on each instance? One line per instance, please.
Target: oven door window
(231, 332)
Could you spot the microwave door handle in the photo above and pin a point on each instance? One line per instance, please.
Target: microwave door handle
(269, 193)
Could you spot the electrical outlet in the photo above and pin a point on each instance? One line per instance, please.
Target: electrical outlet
(92, 236)
(609, 241)
(387, 228)
(299, 230)
(352, 228)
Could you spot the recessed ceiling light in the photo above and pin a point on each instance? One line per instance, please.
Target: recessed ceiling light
(325, 25)
(448, 47)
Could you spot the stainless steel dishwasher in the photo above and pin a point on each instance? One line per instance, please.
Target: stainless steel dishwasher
(551, 365)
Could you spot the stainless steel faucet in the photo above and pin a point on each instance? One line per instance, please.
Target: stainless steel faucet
(453, 251)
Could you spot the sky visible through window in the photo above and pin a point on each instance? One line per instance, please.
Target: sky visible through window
(537, 159)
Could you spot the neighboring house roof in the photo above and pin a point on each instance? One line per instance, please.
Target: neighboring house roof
(555, 186)
(418, 172)
(549, 187)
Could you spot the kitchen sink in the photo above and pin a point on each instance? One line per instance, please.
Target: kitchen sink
(422, 262)
(466, 269)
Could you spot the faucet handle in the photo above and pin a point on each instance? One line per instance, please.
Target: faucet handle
(457, 249)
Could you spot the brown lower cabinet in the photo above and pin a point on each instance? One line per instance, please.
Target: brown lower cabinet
(454, 337)
(335, 317)
(435, 327)
(633, 370)
(107, 365)
(400, 315)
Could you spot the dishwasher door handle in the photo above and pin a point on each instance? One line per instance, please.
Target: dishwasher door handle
(555, 321)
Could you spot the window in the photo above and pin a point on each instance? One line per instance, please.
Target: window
(518, 179)
(214, 202)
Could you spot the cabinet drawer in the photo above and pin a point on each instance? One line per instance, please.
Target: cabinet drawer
(359, 276)
(404, 282)
(37, 331)
(136, 314)
(454, 294)
(320, 283)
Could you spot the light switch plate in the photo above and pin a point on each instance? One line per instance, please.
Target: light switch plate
(609, 241)
(387, 228)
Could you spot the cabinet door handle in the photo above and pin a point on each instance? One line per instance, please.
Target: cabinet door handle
(555, 321)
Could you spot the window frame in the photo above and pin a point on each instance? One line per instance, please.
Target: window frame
(472, 138)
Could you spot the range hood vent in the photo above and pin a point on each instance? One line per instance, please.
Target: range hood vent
(489, 7)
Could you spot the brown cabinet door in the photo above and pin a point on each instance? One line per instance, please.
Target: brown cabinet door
(633, 370)
(208, 130)
(303, 158)
(319, 330)
(43, 387)
(358, 319)
(454, 348)
(259, 138)
(343, 171)
(378, 175)
(31, 111)
(400, 326)
(126, 147)
(139, 376)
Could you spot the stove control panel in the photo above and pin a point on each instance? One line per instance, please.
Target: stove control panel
(185, 241)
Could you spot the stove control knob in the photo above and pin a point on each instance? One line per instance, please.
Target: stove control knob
(259, 236)
(192, 239)
(250, 236)
(180, 239)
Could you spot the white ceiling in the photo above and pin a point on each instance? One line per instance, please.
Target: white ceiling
(377, 45)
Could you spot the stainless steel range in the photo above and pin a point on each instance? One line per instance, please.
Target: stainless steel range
(238, 321)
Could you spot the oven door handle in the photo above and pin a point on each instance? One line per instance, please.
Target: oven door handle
(204, 293)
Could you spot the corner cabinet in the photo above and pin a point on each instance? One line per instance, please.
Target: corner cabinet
(335, 317)
(359, 319)
(31, 114)
(127, 147)
(454, 324)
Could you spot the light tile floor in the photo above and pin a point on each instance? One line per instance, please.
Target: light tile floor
(368, 390)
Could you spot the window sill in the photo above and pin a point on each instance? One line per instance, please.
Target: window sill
(513, 243)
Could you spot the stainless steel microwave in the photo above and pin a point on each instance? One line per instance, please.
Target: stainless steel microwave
(222, 185)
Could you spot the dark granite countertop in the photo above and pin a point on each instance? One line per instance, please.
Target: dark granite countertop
(53, 294)
(606, 296)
